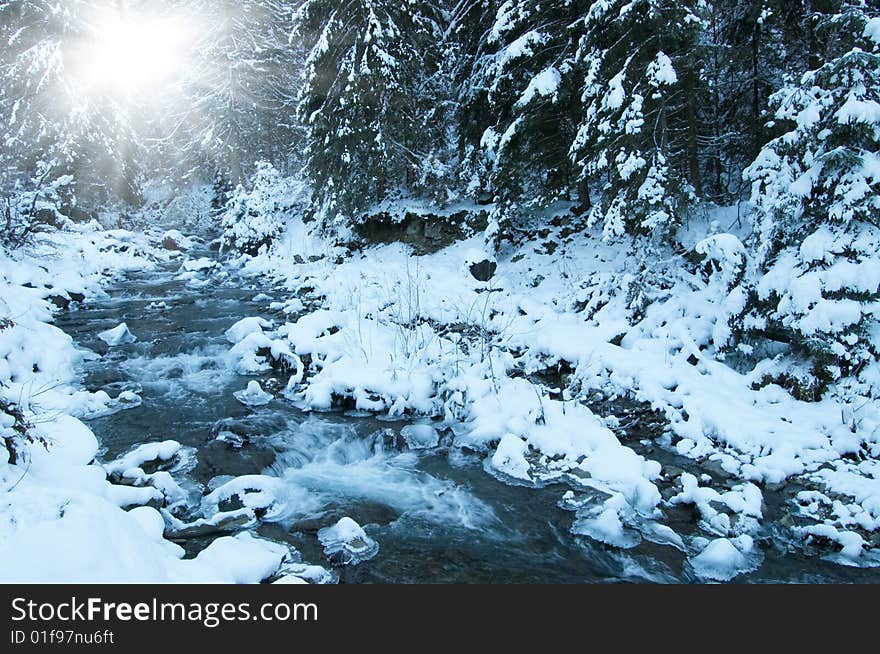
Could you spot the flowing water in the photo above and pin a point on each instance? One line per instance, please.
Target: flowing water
(436, 514)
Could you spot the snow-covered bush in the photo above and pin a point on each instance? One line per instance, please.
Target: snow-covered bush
(37, 208)
(253, 218)
(15, 431)
(816, 189)
(724, 266)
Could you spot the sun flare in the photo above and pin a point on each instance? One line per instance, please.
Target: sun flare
(133, 54)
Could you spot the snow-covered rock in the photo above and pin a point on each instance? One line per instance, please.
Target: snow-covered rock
(175, 241)
(199, 265)
(253, 395)
(152, 455)
(119, 335)
(245, 327)
(723, 559)
(347, 543)
(510, 457)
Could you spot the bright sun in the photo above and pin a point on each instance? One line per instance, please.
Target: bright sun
(134, 54)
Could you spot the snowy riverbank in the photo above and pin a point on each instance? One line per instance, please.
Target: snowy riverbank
(526, 370)
(511, 364)
(61, 518)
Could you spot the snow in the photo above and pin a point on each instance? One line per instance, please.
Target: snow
(119, 335)
(198, 265)
(240, 559)
(347, 542)
(365, 346)
(174, 239)
(607, 527)
(255, 492)
(872, 29)
(164, 451)
(417, 338)
(660, 71)
(253, 395)
(615, 96)
(419, 436)
(544, 84)
(723, 559)
(509, 457)
(245, 327)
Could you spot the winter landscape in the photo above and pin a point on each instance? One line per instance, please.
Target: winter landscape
(457, 291)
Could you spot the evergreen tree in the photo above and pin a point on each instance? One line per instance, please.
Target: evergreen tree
(365, 124)
(48, 117)
(816, 191)
(635, 135)
(520, 92)
(242, 89)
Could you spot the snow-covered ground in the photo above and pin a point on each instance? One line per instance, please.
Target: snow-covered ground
(511, 364)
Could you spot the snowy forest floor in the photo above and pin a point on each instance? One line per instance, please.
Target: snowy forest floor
(571, 367)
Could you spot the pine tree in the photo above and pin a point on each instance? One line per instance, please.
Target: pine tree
(633, 137)
(816, 191)
(365, 124)
(241, 93)
(47, 117)
(519, 93)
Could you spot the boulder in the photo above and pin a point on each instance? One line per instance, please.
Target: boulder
(346, 543)
(483, 270)
(175, 241)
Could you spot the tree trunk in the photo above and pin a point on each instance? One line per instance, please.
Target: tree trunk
(756, 90)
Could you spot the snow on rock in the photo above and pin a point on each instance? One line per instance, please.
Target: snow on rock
(99, 404)
(150, 520)
(745, 501)
(303, 573)
(241, 559)
(256, 351)
(126, 497)
(606, 524)
(290, 579)
(510, 458)
(258, 493)
(723, 559)
(219, 522)
(69, 442)
(154, 454)
(245, 327)
(175, 241)
(480, 264)
(201, 264)
(119, 335)
(253, 395)
(346, 543)
(850, 542)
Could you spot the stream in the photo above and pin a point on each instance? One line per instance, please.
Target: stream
(437, 515)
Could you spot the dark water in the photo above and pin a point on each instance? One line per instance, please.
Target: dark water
(437, 515)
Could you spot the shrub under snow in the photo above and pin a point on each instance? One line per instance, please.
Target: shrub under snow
(254, 218)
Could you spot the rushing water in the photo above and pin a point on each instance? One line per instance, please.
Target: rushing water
(436, 514)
